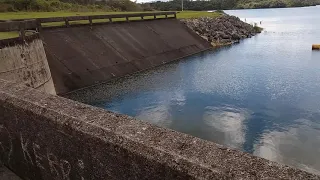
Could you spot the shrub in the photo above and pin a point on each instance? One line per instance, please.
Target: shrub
(220, 11)
(257, 29)
(6, 7)
(40, 5)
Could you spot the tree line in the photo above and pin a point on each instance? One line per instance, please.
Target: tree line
(200, 5)
(69, 5)
(128, 5)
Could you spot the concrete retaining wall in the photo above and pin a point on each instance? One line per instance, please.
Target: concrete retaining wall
(82, 56)
(48, 137)
(26, 62)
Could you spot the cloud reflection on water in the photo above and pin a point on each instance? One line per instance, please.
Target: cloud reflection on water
(298, 146)
(230, 121)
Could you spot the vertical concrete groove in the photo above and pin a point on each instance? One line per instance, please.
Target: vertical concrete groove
(56, 57)
(154, 31)
(114, 48)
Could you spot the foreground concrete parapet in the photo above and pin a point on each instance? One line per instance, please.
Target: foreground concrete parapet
(48, 137)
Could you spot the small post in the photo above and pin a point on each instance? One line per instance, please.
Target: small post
(110, 19)
(166, 15)
(127, 18)
(175, 15)
(142, 17)
(66, 21)
(155, 16)
(90, 20)
(22, 30)
(39, 26)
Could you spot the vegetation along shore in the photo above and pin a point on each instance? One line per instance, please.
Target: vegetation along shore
(201, 5)
(216, 27)
(128, 5)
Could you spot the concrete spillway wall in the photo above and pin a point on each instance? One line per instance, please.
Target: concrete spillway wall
(25, 62)
(82, 56)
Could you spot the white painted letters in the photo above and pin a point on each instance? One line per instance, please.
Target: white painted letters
(66, 169)
(24, 146)
(38, 158)
(53, 162)
(41, 158)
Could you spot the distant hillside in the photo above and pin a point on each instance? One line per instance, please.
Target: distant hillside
(130, 5)
(199, 5)
(253, 4)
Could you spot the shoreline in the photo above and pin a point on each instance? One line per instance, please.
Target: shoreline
(222, 31)
(290, 7)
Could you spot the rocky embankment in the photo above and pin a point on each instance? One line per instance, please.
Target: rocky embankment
(223, 30)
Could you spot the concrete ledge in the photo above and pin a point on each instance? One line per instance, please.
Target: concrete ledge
(23, 24)
(48, 137)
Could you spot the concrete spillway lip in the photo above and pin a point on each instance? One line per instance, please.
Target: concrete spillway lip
(102, 23)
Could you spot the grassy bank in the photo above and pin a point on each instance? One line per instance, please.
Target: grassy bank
(31, 15)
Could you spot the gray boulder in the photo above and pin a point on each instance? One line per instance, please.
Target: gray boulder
(222, 30)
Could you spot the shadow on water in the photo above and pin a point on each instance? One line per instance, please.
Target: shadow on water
(260, 96)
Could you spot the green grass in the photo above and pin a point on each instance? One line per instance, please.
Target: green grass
(196, 14)
(32, 15)
(7, 35)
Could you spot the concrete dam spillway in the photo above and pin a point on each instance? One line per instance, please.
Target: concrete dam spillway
(83, 56)
(47, 137)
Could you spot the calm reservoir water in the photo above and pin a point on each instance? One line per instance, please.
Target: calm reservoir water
(261, 96)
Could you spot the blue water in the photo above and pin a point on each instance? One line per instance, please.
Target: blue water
(261, 96)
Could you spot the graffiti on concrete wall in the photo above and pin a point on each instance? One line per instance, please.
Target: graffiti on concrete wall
(41, 158)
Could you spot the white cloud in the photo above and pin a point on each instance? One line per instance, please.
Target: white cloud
(141, 1)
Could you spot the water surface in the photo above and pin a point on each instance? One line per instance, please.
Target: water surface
(261, 96)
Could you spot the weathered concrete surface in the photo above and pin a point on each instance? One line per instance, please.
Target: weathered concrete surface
(83, 56)
(6, 174)
(26, 62)
(48, 137)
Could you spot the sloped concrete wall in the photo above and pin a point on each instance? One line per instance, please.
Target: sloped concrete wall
(83, 56)
(46, 137)
(26, 62)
